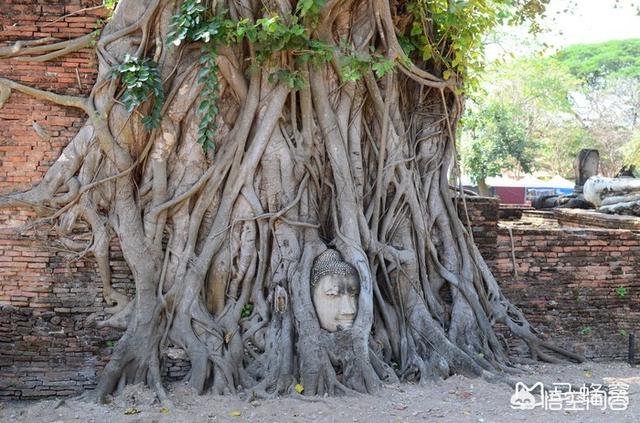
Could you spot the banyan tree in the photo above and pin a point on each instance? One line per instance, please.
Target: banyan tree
(278, 176)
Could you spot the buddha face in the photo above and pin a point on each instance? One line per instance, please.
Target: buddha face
(335, 298)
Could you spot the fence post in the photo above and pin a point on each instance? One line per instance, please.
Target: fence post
(632, 349)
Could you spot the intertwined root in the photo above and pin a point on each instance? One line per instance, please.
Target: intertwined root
(221, 247)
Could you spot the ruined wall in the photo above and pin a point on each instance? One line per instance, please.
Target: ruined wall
(25, 156)
(581, 287)
(482, 215)
(47, 344)
(46, 347)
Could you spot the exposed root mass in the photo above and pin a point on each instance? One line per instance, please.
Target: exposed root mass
(221, 247)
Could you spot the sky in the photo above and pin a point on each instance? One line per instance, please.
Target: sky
(572, 22)
(591, 21)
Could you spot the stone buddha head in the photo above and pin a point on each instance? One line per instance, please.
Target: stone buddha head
(335, 286)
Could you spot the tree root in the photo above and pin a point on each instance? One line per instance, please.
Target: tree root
(221, 248)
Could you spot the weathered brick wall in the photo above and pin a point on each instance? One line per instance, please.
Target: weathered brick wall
(581, 287)
(48, 301)
(483, 215)
(25, 156)
(46, 346)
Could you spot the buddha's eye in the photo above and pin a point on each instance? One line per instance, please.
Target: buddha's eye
(332, 293)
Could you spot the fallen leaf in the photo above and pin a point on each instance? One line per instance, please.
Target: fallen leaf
(164, 410)
(464, 395)
(131, 410)
(234, 413)
(299, 388)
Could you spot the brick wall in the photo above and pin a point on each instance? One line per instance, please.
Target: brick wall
(46, 345)
(48, 301)
(25, 156)
(483, 217)
(581, 287)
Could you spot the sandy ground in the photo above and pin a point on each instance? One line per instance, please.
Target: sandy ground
(456, 399)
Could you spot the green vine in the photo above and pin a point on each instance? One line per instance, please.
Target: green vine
(353, 65)
(269, 35)
(186, 22)
(141, 81)
(208, 107)
(447, 33)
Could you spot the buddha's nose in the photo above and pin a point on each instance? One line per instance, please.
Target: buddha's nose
(347, 306)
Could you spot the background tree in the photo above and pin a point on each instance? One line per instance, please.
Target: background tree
(607, 103)
(498, 140)
(584, 96)
(538, 91)
(595, 63)
(229, 143)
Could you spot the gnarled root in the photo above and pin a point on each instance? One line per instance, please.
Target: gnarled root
(221, 248)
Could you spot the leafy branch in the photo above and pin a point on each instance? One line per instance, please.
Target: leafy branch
(141, 81)
(269, 35)
(353, 65)
(450, 33)
(208, 107)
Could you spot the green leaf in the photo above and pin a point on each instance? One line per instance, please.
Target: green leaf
(246, 310)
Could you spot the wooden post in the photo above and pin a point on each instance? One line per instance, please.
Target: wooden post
(632, 349)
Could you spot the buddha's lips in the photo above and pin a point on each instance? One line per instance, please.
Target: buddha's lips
(346, 324)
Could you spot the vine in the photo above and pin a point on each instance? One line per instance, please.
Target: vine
(269, 35)
(208, 107)
(185, 24)
(141, 81)
(353, 65)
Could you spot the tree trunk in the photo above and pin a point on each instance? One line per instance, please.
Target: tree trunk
(221, 247)
(483, 188)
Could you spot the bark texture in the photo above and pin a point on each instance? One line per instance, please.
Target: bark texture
(360, 166)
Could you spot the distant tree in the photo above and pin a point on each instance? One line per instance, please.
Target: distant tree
(631, 151)
(608, 102)
(498, 140)
(608, 114)
(595, 63)
(536, 93)
(585, 96)
(542, 88)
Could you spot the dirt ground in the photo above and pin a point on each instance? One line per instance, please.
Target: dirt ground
(456, 399)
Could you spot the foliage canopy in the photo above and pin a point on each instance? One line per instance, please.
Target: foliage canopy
(499, 140)
(585, 96)
(596, 62)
